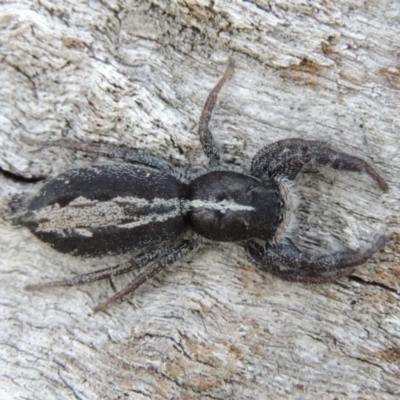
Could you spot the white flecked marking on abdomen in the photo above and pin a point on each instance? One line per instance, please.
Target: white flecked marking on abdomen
(82, 214)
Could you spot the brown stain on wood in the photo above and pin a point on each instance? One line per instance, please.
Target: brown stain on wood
(391, 355)
(306, 65)
(72, 42)
(328, 47)
(391, 75)
(387, 271)
(304, 73)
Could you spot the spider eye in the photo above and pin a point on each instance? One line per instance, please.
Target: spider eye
(250, 190)
(280, 218)
(281, 203)
(220, 197)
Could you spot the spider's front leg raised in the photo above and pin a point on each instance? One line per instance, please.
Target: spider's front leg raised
(286, 158)
(286, 261)
(210, 148)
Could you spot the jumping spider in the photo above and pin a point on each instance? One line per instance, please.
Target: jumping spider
(143, 205)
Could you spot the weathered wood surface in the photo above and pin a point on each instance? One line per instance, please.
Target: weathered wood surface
(138, 73)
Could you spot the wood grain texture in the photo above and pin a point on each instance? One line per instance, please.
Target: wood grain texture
(138, 73)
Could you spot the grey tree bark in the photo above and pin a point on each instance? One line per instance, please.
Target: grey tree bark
(137, 73)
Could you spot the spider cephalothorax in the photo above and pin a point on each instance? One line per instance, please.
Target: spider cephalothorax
(140, 205)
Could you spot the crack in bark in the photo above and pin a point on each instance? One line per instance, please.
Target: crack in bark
(20, 178)
(355, 278)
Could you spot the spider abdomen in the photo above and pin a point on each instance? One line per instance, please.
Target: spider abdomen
(107, 209)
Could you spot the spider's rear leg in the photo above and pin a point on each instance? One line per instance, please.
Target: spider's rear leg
(133, 156)
(286, 158)
(106, 273)
(174, 254)
(288, 262)
(210, 148)
(168, 255)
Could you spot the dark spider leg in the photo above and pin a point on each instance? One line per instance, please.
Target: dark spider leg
(173, 255)
(169, 256)
(286, 158)
(127, 154)
(288, 262)
(210, 148)
(105, 273)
